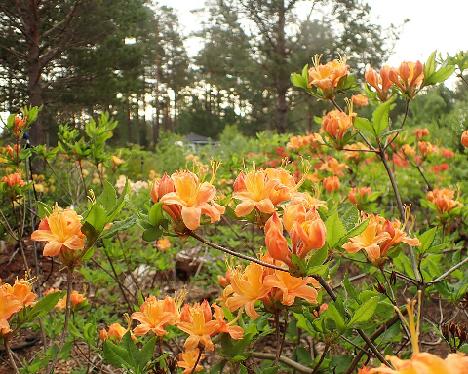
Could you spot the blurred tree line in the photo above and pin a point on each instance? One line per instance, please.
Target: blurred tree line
(128, 57)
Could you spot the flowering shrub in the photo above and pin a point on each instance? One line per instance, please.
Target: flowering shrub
(323, 264)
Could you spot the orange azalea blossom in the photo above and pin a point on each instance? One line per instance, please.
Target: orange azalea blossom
(246, 288)
(155, 315)
(262, 189)
(193, 197)
(235, 332)
(290, 287)
(308, 234)
(188, 359)
(408, 77)
(379, 236)
(307, 200)
(76, 299)
(14, 151)
(116, 162)
(163, 244)
(464, 139)
(426, 148)
(13, 298)
(364, 370)
(276, 243)
(300, 141)
(116, 331)
(13, 180)
(360, 100)
(447, 153)
(327, 76)
(336, 123)
(18, 125)
(333, 166)
(197, 321)
(357, 195)
(331, 183)
(421, 133)
(379, 81)
(62, 232)
(443, 199)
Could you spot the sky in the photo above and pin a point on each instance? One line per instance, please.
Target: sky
(433, 24)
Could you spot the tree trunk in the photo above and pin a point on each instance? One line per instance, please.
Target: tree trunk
(282, 78)
(34, 71)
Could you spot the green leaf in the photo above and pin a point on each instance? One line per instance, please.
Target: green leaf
(430, 65)
(426, 239)
(318, 257)
(43, 306)
(119, 226)
(349, 215)
(335, 229)
(97, 217)
(333, 314)
(155, 214)
(108, 196)
(365, 312)
(354, 231)
(115, 355)
(380, 116)
(152, 234)
(364, 125)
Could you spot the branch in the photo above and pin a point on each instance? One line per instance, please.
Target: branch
(449, 271)
(65, 21)
(285, 360)
(402, 124)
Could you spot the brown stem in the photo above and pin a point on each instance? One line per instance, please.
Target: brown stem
(196, 362)
(286, 322)
(285, 360)
(322, 357)
(401, 127)
(6, 342)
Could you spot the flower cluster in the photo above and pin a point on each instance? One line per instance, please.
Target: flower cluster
(379, 236)
(443, 199)
(14, 298)
(327, 76)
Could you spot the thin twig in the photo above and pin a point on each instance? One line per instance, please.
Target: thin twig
(6, 342)
(448, 272)
(285, 360)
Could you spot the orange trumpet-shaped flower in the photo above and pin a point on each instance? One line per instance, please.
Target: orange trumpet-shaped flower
(13, 180)
(18, 125)
(327, 76)
(408, 77)
(155, 315)
(115, 332)
(163, 244)
(162, 187)
(334, 166)
(62, 232)
(370, 239)
(21, 291)
(336, 123)
(76, 298)
(426, 148)
(421, 133)
(309, 234)
(235, 332)
(443, 199)
(397, 236)
(299, 141)
(358, 195)
(188, 360)
(254, 192)
(292, 287)
(360, 100)
(276, 243)
(197, 321)
(464, 138)
(245, 289)
(194, 199)
(379, 81)
(331, 183)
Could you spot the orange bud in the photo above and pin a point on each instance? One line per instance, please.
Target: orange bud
(276, 243)
(239, 183)
(464, 138)
(331, 183)
(360, 100)
(311, 233)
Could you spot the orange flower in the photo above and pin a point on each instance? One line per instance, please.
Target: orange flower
(447, 153)
(354, 151)
(426, 148)
(155, 315)
(331, 183)
(197, 321)
(464, 138)
(300, 141)
(443, 199)
(379, 81)
(116, 162)
(408, 77)
(397, 236)
(292, 287)
(327, 76)
(360, 100)
(358, 195)
(115, 332)
(13, 152)
(18, 125)
(332, 165)
(194, 199)
(370, 239)
(421, 133)
(162, 187)
(276, 243)
(235, 332)
(13, 180)
(254, 190)
(336, 123)
(76, 299)
(12, 300)
(62, 232)
(188, 359)
(245, 289)
(163, 244)
(308, 234)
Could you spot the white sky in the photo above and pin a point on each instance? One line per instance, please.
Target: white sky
(434, 24)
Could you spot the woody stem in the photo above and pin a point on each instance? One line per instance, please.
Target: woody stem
(198, 360)
(6, 343)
